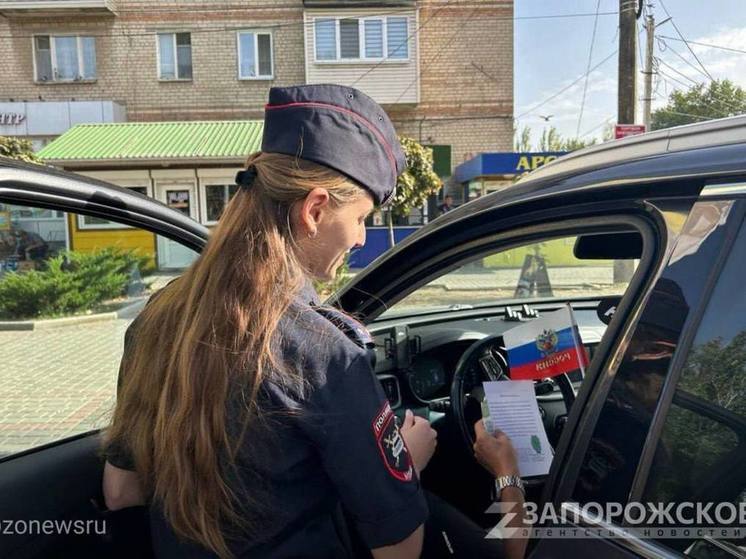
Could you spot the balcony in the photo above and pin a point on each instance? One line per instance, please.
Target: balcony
(53, 8)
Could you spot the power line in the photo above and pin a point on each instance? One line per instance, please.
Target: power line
(668, 47)
(731, 49)
(440, 51)
(588, 67)
(660, 61)
(561, 91)
(696, 83)
(254, 26)
(409, 37)
(602, 123)
(676, 27)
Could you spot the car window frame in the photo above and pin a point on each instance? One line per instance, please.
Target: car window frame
(107, 201)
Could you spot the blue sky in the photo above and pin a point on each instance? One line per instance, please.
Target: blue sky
(552, 53)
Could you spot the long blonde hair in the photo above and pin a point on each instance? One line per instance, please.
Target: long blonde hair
(212, 329)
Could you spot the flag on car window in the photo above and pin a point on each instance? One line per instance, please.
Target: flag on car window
(545, 347)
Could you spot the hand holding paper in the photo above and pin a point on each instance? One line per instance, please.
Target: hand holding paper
(513, 409)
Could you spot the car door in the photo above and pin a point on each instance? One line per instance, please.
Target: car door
(668, 425)
(65, 304)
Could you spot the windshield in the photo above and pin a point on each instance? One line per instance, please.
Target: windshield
(542, 270)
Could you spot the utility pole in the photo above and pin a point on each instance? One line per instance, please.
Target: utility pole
(626, 92)
(626, 95)
(648, 97)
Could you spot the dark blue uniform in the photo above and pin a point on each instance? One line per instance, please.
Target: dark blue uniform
(333, 440)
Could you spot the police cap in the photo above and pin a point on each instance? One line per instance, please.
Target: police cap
(338, 127)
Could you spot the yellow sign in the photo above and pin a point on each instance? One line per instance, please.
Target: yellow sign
(526, 163)
(4, 221)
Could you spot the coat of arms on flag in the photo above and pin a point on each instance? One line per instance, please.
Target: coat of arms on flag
(545, 347)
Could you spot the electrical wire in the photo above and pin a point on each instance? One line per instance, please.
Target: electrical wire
(254, 26)
(731, 49)
(561, 91)
(588, 68)
(440, 51)
(676, 27)
(409, 38)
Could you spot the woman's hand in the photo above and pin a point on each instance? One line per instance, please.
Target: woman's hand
(420, 438)
(495, 452)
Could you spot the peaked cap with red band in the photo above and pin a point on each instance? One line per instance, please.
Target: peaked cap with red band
(339, 127)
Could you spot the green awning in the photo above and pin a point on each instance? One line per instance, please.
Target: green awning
(156, 141)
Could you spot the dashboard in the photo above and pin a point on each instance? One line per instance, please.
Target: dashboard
(416, 357)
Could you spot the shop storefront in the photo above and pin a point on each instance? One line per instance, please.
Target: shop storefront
(189, 166)
(490, 172)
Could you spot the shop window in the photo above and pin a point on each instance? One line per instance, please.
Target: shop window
(174, 56)
(91, 222)
(62, 58)
(353, 39)
(218, 196)
(255, 59)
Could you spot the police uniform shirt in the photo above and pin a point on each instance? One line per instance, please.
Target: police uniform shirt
(339, 443)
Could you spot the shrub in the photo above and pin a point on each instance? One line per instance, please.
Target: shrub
(72, 282)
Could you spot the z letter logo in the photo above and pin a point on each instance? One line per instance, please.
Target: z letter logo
(389, 440)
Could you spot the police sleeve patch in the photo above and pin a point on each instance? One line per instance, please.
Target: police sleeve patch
(395, 454)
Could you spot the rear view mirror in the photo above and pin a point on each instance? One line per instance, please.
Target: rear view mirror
(617, 245)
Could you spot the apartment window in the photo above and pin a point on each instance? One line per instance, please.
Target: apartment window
(371, 38)
(218, 196)
(255, 55)
(174, 56)
(61, 58)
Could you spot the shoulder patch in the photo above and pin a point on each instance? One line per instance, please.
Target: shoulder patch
(393, 450)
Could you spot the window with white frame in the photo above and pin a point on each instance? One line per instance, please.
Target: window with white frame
(174, 56)
(217, 197)
(91, 222)
(60, 58)
(367, 38)
(255, 55)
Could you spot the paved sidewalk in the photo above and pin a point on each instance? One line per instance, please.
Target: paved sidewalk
(57, 382)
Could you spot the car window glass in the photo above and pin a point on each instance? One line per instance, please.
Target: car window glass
(68, 292)
(701, 454)
(545, 269)
(609, 465)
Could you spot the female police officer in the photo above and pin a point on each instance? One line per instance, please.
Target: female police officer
(246, 414)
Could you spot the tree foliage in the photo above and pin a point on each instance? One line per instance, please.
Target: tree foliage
(721, 98)
(552, 140)
(418, 181)
(16, 148)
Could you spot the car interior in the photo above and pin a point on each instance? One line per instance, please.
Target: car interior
(434, 361)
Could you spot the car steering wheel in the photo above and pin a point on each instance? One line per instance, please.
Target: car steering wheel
(490, 358)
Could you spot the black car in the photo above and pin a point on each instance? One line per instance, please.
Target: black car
(644, 237)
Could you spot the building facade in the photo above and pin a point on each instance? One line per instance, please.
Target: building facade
(442, 69)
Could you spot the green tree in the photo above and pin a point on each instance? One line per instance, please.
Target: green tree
(552, 140)
(719, 99)
(16, 148)
(522, 139)
(415, 184)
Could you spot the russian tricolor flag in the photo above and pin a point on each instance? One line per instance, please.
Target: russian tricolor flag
(545, 347)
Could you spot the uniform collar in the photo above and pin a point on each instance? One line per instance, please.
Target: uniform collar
(308, 295)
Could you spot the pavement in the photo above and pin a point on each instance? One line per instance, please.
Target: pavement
(59, 382)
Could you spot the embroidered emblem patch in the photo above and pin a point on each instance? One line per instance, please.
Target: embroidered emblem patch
(391, 444)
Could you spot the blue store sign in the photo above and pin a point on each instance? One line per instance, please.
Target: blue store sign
(503, 163)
